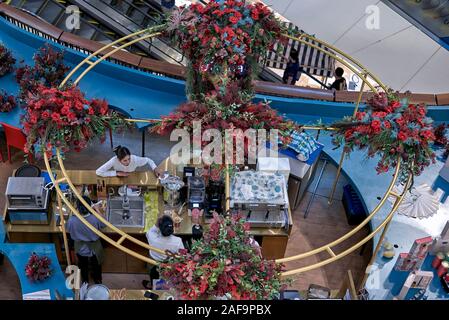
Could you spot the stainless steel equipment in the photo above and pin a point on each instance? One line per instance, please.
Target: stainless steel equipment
(126, 211)
(27, 193)
(172, 186)
(261, 198)
(267, 219)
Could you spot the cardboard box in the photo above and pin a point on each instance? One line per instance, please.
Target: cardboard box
(406, 262)
(421, 247)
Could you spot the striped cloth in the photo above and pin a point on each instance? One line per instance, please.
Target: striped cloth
(311, 60)
(304, 144)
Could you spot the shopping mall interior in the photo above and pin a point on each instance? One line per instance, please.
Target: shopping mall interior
(224, 149)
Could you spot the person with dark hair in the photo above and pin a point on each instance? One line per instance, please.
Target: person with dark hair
(88, 247)
(340, 82)
(123, 163)
(161, 236)
(292, 71)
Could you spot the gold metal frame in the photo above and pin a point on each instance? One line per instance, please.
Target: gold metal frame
(329, 50)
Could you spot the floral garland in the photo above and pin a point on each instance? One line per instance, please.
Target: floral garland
(224, 262)
(48, 70)
(7, 61)
(63, 118)
(390, 128)
(7, 102)
(38, 268)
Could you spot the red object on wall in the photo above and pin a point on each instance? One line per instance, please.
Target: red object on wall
(15, 138)
(437, 260)
(443, 268)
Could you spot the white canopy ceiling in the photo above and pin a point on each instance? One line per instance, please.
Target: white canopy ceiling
(401, 55)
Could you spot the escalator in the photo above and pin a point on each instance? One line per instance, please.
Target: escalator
(54, 12)
(129, 16)
(108, 20)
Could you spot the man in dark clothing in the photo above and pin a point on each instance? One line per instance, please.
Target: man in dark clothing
(340, 82)
(292, 71)
(88, 246)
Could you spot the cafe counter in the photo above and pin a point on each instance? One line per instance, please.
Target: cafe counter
(273, 241)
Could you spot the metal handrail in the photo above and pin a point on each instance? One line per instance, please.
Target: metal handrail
(327, 247)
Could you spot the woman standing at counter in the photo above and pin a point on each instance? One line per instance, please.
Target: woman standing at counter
(123, 163)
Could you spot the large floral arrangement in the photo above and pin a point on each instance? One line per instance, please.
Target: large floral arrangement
(224, 262)
(223, 40)
(65, 119)
(7, 102)
(48, 70)
(38, 268)
(391, 129)
(223, 36)
(7, 61)
(231, 109)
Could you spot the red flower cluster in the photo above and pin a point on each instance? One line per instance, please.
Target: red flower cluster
(440, 135)
(391, 128)
(64, 119)
(224, 32)
(7, 61)
(225, 262)
(7, 102)
(48, 70)
(38, 268)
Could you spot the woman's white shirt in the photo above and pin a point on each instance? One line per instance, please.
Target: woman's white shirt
(156, 239)
(110, 168)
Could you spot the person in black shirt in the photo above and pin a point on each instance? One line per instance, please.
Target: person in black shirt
(340, 81)
(292, 71)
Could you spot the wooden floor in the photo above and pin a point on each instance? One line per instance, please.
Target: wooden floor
(324, 223)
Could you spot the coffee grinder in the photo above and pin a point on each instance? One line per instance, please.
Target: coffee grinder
(187, 172)
(215, 192)
(196, 193)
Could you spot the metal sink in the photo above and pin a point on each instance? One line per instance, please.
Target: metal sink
(136, 212)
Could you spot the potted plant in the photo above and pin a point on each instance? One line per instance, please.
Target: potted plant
(38, 268)
(225, 263)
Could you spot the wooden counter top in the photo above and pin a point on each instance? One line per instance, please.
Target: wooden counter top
(89, 177)
(140, 178)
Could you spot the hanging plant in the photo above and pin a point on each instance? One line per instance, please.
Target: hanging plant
(7, 61)
(64, 118)
(7, 102)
